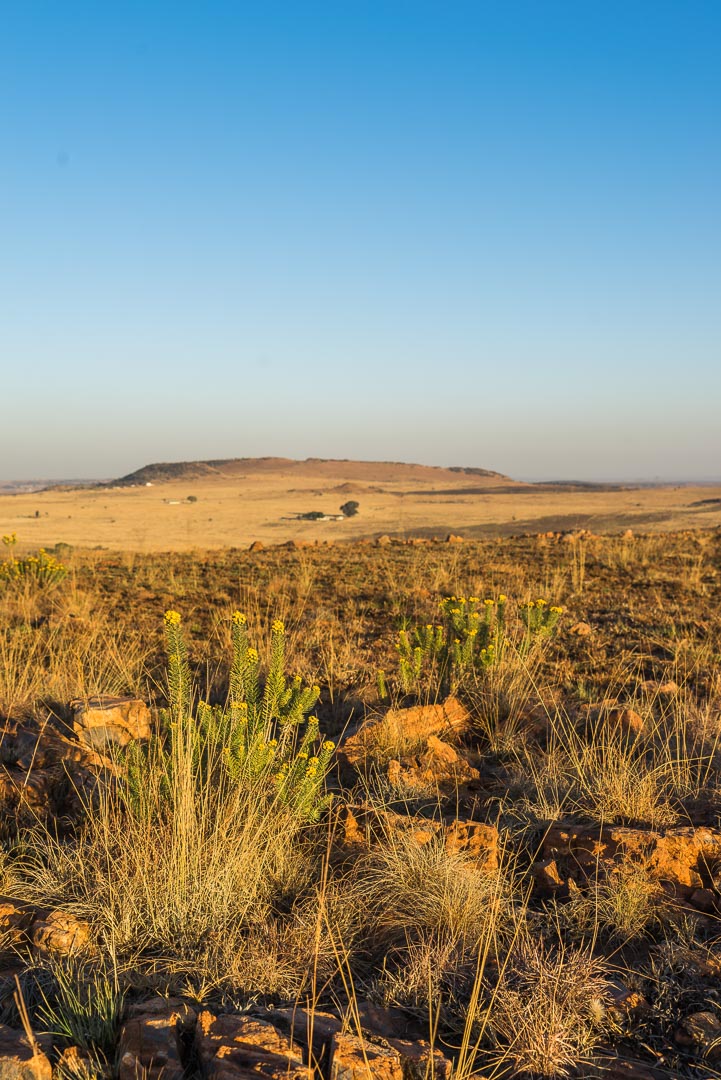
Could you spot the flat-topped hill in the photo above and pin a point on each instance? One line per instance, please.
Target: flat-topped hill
(322, 468)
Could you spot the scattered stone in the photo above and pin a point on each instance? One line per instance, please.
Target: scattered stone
(449, 718)
(313, 1030)
(77, 1062)
(28, 748)
(441, 765)
(26, 792)
(354, 1058)
(109, 721)
(581, 629)
(666, 689)
(705, 900)
(383, 541)
(625, 1002)
(235, 1047)
(257, 545)
(353, 836)
(61, 934)
(20, 1059)
(452, 538)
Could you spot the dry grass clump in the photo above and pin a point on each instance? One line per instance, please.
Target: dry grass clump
(623, 903)
(547, 1009)
(209, 867)
(426, 887)
(613, 775)
(430, 912)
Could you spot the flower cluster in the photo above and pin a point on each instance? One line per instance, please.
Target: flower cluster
(42, 569)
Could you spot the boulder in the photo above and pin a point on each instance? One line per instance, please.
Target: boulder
(16, 918)
(354, 1058)
(150, 1041)
(439, 766)
(678, 856)
(626, 720)
(363, 827)
(233, 1047)
(100, 722)
(28, 793)
(475, 839)
(547, 879)
(702, 1030)
(61, 934)
(416, 724)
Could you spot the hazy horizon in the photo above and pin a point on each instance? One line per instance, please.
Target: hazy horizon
(527, 478)
(472, 233)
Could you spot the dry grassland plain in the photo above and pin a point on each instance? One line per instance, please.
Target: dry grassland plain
(441, 811)
(259, 500)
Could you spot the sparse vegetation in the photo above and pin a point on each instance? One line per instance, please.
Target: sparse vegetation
(511, 873)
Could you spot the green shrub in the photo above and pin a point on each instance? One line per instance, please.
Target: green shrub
(472, 636)
(262, 737)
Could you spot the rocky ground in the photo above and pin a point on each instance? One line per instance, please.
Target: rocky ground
(519, 874)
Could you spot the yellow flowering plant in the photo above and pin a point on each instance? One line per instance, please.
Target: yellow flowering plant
(263, 735)
(473, 635)
(41, 569)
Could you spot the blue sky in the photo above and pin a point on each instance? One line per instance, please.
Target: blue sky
(480, 233)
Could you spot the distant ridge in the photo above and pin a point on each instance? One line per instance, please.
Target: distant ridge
(343, 469)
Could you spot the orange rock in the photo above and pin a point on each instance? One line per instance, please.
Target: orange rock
(547, 879)
(21, 1059)
(353, 835)
(234, 1047)
(627, 720)
(452, 538)
(676, 855)
(581, 629)
(702, 1029)
(257, 545)
(62, 934)
(441, 764)
(415, 724)
(150, 1045)
(477, 839)
(15, 920)
(103, 721)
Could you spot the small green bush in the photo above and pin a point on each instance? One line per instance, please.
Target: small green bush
(262, 737)
(473, 636)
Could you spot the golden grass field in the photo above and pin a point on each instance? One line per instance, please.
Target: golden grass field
(257, 500)
(451, 810)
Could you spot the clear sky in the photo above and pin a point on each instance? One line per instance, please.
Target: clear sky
(482, 233)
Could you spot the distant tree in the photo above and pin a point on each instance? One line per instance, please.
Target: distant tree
(312, 515)
(192, 498)
(349, 509)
